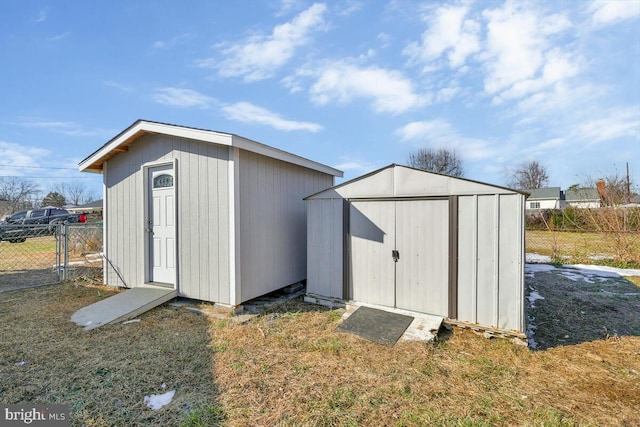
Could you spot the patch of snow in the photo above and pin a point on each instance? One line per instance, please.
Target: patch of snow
(590, 273)
(604, 270)
(131, 321)
(533, 297)
(537, 258)
(21, 363)
(530, 270)
(575, 276)
(157, 401)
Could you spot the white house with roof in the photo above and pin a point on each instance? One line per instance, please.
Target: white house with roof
(544, 198)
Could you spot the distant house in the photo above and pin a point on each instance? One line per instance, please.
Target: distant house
(91, 207)
(581, 198)
(543, 198)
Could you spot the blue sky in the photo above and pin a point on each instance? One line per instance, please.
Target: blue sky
(353, 84)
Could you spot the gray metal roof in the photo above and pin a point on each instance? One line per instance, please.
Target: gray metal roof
(545, 193)
(582, 194)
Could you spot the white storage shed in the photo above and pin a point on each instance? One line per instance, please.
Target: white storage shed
(216, 216)
(405, 238)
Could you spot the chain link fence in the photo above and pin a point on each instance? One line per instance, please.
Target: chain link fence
(45, 254)
(81, 252)
(620, 248)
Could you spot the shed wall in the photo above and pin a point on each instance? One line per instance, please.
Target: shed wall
(490, 257)
(325, 247)
(203, 197)
(273, 222)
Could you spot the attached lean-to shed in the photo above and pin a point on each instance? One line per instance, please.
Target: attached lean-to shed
(216, 216)
(420, 241)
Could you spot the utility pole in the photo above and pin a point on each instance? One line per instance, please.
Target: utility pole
(628, 185)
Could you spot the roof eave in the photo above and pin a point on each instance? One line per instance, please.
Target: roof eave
(120, 143)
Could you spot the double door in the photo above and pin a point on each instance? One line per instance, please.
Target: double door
(399, 253)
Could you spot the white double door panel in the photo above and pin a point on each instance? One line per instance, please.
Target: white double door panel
(418, 230)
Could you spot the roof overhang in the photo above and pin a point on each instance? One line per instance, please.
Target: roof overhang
(122, 142)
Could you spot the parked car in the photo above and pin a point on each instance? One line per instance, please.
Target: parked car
(21, 225)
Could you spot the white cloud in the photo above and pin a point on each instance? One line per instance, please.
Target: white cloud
(41, 17)
(19, 155)
(60, 36)
(389, 90)
(259, 57)
(349, 7)
(354, 164)
(440, 134)
(117, 85)
(605, 12)
(615, 124)
(161, 44)
(522, 59)
(449, 32)
(446, 94)
(384, 38)
(184, 98)
(558, 66)
(62, 127)
(249, 113)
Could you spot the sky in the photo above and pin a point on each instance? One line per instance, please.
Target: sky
(356, 85)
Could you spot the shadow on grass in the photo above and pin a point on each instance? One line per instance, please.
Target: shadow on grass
(104, 374)
(21, 279)
(581, 306)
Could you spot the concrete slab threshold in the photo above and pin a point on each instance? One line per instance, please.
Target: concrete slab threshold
(123, 306)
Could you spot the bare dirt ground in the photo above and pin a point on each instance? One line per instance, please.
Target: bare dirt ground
(571, 305)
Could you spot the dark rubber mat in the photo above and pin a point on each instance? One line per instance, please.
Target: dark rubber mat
(376, 325)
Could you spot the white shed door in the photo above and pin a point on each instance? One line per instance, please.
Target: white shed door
(422, 271)
(417, 233)
(372, 228)
(161, 225)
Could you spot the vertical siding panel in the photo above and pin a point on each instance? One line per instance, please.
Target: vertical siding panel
(510, 263)
(222, 229)
(486, 300)
(203, 254)
(192, 255)
(222, 225)
(467, 262)
(185, 201)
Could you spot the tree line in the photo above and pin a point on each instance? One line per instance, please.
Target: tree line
(18, 194)
(529, 175)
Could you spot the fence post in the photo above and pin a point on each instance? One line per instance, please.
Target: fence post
(66, 252)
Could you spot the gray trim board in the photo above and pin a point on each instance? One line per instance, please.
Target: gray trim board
(346, 248)
(453, 257)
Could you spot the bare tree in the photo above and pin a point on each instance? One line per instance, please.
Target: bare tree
(529, 175)
(74, 192)
(442, 160)
(613, 189)
(18, 193)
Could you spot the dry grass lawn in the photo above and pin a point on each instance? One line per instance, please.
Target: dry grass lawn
(290, 367)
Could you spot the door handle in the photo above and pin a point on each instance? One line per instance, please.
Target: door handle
(395, 255)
